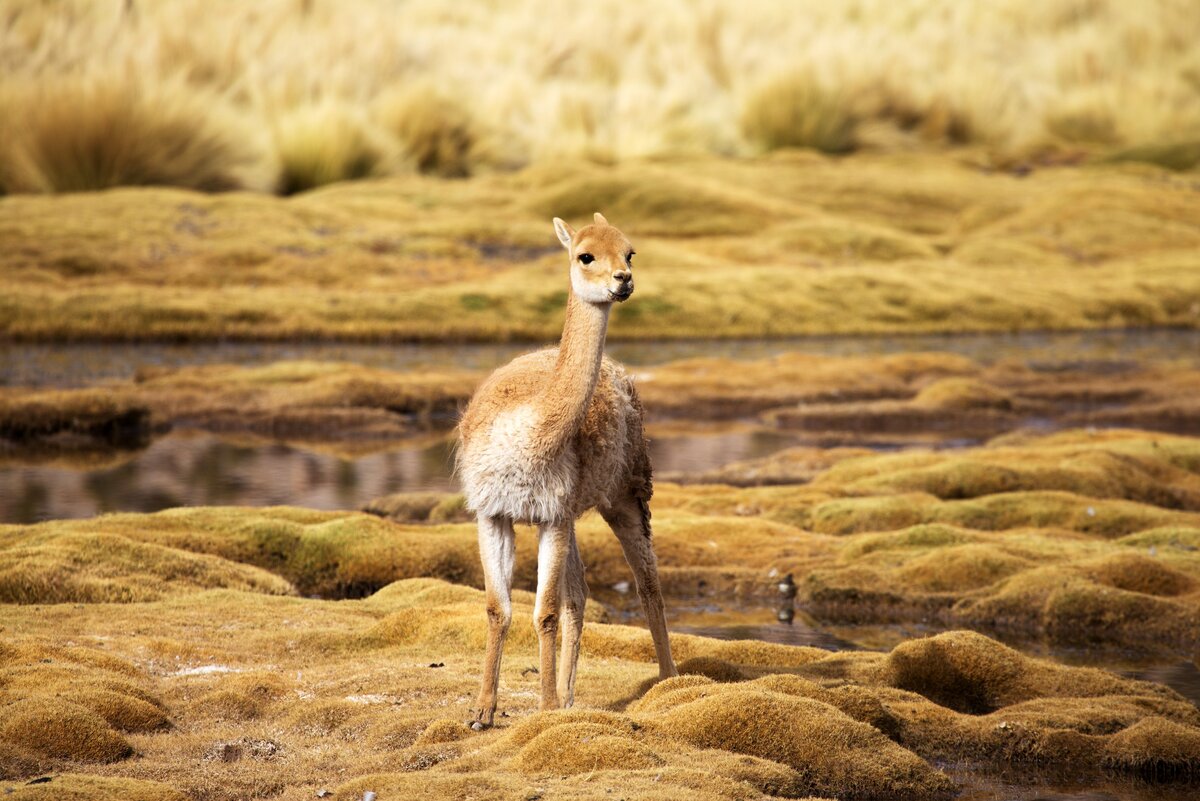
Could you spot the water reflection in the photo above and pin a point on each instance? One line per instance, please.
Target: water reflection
(194, 469)
(201, 470)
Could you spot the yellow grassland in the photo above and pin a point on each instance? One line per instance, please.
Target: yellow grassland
(788, 245)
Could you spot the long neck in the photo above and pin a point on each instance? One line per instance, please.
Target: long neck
(563, 407)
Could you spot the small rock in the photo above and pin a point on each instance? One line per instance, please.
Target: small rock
(323, 793)
(476, 725)
(368, 796)
(621, 587)
(437, 664)
(41, 779)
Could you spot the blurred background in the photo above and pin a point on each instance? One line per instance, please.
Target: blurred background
(285, 95)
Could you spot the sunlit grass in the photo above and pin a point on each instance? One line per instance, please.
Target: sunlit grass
(481, 85)
(794, 244)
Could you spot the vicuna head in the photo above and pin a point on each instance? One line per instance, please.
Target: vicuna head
(601, 260)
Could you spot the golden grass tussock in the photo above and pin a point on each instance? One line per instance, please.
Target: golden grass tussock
(58, 729)
(325, 144)
(795, 110)
(835, 752)
(420, 507)
(913, 243)
(435, 131)
(72, 134)
(970, 673)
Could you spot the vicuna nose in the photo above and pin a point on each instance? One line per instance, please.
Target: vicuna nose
(623, 276)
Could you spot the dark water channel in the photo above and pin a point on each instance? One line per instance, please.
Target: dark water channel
(70, 365)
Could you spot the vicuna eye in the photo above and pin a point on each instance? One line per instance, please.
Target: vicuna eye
(629, 258)
(586, 258)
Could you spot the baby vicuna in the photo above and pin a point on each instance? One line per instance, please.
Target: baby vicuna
(547, 437)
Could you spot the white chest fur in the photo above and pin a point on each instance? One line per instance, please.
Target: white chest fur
(504, 474)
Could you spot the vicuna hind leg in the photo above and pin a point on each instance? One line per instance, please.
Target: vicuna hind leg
(630, 521)
(574, 599)
(554, 541)
(497, 544)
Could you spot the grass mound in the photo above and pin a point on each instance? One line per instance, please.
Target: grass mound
(48, 568)
(835, 753)
(970, 673)
(658, 204)
(55, 729)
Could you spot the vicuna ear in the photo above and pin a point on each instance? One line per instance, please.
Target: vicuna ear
(564, 231)
(599, 218)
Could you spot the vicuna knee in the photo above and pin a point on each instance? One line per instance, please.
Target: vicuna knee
(547, 623)
(499, 616)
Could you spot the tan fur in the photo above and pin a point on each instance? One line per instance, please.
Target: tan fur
(547, 437)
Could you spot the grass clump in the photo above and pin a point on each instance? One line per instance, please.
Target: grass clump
(435, 132)
(796, 110)
(79, 134)
(323, 144)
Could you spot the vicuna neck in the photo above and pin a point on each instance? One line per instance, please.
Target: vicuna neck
(580, 352)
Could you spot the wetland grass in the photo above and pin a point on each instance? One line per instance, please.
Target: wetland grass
(784, 246)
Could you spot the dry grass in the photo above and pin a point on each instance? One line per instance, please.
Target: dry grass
(785, 246)
(68, 135)
(796, 111)
(1055, 79)
(326, 144)
(344, 696)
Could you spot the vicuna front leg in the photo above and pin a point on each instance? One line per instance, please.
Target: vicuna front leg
(630, 521)
(553, 546)
(497, 550)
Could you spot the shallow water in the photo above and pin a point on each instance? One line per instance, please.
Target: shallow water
(68, 365)
(200, 469)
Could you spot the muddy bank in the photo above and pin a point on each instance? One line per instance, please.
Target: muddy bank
(304, 402)
(890, 401)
